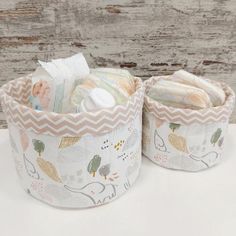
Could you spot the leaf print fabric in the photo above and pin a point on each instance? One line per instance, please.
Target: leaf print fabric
(49, 169)
(68, 141)
(190, 147)
(215, 137)
(178, 142)
(94, 164)
(78, 172)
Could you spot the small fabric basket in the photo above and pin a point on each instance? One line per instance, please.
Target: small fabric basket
(185, 139)
(74, 160)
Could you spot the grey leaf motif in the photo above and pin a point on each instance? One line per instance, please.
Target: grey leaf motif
(207, 159)
(131, 140)
(104, 170)
(159, 142)
(13, 144)
(97, 192)
(30, 168)
(127, 184)
(221, 141)
(132, 168)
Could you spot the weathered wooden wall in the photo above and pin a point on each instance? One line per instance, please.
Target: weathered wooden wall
(148, 37)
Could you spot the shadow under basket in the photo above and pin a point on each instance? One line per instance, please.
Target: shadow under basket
(74, 160)
(185, 139)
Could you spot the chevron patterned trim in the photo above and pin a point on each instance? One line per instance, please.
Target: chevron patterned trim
(14, 98)
(188, 116)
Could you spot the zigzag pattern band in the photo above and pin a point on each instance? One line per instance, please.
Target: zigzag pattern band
(188, 116)
(14, 98)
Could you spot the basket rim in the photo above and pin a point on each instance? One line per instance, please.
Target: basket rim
(75, 123)
(186, 115)
(139, 86)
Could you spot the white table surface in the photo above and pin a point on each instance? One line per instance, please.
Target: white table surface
(162, 202)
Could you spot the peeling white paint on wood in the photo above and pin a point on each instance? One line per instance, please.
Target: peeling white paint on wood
(147, 37)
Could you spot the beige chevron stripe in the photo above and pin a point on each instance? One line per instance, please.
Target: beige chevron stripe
(40, 128)
(182, 121)
(21, 90)
(53, 120)
(71, 130)
(55, 117)
(50, 123)
(163, 111)
(182, 116)
(188, 116)
(93, 125)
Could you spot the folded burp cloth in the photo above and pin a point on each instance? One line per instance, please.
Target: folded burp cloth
(115, 87)
(215, 93)
(185, 90)
(53, 83)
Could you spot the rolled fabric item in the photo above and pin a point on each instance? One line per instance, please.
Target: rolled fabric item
(91, 82)
(53, 83)
(119, 79)
(179, 95)
(97, 98)
(81, 91)
(117, 82)
(215, 93)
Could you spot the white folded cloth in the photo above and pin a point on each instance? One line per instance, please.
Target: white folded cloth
(97, 98)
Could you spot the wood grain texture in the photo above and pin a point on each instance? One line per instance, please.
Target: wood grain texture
(147, 37)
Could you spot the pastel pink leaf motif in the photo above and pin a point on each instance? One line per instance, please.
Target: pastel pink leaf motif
(24, 140)
(158, 122)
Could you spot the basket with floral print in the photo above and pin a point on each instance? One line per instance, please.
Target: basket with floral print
(185, 139)
(74, 160)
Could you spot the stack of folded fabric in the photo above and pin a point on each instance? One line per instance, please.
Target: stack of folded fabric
(68, 85)
(188, 91)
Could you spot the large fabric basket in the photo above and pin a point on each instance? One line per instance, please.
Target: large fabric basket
(185, 139)
(74, 160)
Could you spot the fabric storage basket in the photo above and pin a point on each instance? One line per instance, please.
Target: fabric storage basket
(74, 160)
(185, 139)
